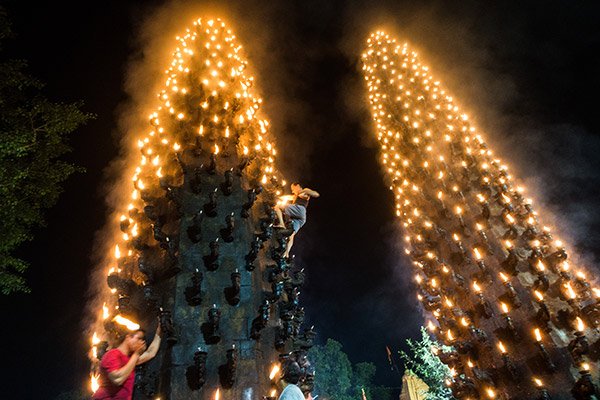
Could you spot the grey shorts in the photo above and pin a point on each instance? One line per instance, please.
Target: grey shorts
(297, 215)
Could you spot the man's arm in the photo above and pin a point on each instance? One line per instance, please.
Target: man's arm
(310, 192)
(119, 376)
(152, 349)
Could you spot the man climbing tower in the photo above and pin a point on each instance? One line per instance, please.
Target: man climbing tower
(294, 211)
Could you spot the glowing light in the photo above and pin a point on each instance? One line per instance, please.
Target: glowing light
(130, 325)
(274, 371)
(94, 384)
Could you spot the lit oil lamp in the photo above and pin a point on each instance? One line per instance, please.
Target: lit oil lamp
(543, 352)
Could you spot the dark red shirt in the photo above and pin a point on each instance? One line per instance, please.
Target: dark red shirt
(112, 361)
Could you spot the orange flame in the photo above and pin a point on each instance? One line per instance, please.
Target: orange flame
(501, 347)
(130, 325)
(580, 325)
(538, 335)
(94, 384)
(274, 371)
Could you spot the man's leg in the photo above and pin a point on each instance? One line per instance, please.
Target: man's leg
(289, 245)
(279, 216)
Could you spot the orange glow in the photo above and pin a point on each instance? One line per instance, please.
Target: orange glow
(580, 324)
(274, 371)
(94, 385)
(501, 347)
(538, 335)
(130, 325)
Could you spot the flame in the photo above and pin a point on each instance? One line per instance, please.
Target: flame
(130, 325)
(540, 266)
(216, 149)
(538, 335)
(501, 347)
(450, 335)
(570, 291)
(245, 150)
(94, 384)
(217, 394)
(431, 326)
(580, 324)
(508, 244)
(470, 363)
(538, 382)
(476, 287)
(539, 295)
(585, 367)
(503, 277)
(117, 252)
(491, 393)
(464, 321)
(477, 253)
(504, 307)
(95, 339)
(274, 371)
(104, 311)
(273, 393)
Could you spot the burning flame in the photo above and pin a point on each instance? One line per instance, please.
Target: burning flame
(95, 339)
(538, 335)
(501, 347)
(477, 253)
(130, 325)
(476, 287)
(274, 371)
(503, 277)
(571, 293)
(94, 384)
(539, 295)
(217, 394)
(104, 311)
(580, 324)
(504, 307)
(538, 382)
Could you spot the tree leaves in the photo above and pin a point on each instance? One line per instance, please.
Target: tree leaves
(34, 133)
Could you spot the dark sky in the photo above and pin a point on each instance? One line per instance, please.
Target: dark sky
(528, 72)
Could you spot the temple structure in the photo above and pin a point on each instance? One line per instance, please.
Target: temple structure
(500, 288)
(195, 245)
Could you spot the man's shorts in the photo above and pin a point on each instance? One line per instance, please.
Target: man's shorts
(297, 215)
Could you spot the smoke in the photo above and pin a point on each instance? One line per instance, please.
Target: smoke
(489, 56)
(305, 56)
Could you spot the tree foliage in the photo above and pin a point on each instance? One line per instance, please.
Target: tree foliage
(34, 137)
(427, 366)
(337, 379)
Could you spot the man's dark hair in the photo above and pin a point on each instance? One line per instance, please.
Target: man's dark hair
(296, 184)
(123, 334)
(291, 372)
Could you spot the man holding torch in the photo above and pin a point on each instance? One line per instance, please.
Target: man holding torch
(117, 367)
(295, 211)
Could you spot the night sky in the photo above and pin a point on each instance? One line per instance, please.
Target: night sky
(526, 71)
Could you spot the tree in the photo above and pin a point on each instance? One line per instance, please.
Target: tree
(34, 137)
(427, 366)
(333, 371)
(337, 379)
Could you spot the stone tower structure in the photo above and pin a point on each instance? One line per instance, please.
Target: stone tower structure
(196, 250)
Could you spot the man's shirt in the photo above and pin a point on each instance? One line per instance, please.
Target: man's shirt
(291, 392)
(112, 361)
